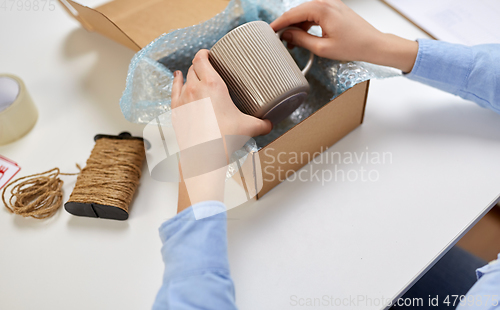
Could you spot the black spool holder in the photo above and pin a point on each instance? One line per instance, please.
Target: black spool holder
(98, 210)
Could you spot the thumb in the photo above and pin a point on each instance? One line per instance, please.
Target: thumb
(304, 39)
(256, 126)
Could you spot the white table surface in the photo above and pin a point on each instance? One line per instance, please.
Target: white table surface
(342, 239)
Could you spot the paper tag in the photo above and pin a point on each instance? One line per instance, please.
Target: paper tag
(8, 169)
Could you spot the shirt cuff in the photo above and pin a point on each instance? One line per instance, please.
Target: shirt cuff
(443, 65)
(493, 266)
(193, 246)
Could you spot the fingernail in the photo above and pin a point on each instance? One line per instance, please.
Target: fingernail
(176, 73)
(287, 36)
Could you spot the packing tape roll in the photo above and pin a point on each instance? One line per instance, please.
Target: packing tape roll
(18, 113)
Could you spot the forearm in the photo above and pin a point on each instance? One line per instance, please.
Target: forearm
(195, 240)
(205, 187)
(392, 51)
(196, 265)
(183, 201)
(472, 73)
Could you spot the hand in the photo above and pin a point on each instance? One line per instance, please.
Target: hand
(346, 36)
(203, 81)
(198, 127)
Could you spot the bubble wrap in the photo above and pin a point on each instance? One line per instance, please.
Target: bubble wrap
(150, 75)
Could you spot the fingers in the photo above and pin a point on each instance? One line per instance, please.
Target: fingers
(307, 25)
(255, 126)
(306, 12)
(303, 39)
(203, 67)
(265, 127)
(177, 86)
(192, 77)
(192, 83)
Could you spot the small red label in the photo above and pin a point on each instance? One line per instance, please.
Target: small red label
(8, 169)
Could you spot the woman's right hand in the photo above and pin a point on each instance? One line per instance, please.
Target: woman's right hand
(346, 35)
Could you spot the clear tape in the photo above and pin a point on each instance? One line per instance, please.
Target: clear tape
(18, 113)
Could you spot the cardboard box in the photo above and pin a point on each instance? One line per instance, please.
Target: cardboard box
(298, 146)
(136, 23)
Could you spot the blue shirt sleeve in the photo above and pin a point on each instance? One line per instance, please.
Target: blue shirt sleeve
(472, 73)
(196, 264)
(485, 294)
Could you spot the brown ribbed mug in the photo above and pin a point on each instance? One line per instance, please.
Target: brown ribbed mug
(261, 75)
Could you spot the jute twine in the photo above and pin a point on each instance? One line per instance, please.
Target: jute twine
(111, 174)
(37, 195)
(110, 178)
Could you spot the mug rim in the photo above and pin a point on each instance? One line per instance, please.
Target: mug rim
(240, 26)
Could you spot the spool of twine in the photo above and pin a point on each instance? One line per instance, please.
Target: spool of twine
(104, 188)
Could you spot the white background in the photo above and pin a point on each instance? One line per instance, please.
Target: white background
(302, 238)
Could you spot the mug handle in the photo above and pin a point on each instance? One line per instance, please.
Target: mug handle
(311, 55)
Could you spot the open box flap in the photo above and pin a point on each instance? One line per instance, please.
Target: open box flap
(136, 23)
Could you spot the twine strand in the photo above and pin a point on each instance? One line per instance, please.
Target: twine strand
(38, 195)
